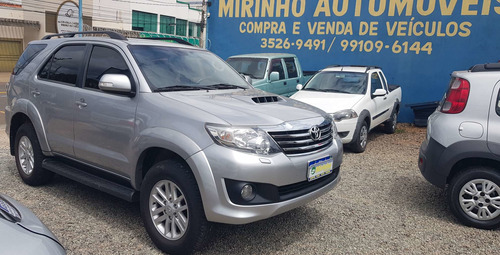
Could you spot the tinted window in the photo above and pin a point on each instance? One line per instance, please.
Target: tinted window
(104, 61)
(276, 66)
(291, 68)
(498, 103)
(64, 65)
(29, 54)
(376, 83)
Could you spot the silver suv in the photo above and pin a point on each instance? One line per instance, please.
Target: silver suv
(462, 147)
(170, 125)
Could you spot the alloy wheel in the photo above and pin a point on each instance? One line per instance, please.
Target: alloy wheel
(26, 155)
(168, 210)
(480, 199)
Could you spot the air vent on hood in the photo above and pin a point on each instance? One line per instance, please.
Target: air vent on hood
(269, 99)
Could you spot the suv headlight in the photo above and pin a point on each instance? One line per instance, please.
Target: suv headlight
(245, 139)
(344, 115)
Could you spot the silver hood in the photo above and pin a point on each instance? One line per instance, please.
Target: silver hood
(239, 108)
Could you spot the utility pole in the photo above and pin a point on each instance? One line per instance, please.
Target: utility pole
(80, 16)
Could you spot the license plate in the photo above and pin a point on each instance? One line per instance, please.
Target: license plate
(319, 168)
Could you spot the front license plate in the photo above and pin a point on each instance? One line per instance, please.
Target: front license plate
(319, 168)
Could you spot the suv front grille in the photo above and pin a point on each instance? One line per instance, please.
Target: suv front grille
(300, 141)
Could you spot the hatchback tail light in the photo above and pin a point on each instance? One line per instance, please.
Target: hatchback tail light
(456, 97)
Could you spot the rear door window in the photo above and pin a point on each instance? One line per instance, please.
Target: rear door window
(64, 65)
(291, 68)
(29, 54)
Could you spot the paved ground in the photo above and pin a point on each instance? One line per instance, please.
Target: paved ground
(381, 206)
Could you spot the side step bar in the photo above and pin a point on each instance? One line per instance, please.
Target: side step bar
(96, 182)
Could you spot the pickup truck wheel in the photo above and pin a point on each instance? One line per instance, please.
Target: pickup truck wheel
(29, 157)
(171, 208)
(474, 197)
(391, 124)
(360, 139)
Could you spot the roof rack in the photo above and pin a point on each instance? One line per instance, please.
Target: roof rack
(111, 34)
(177, 40)
(489, 67)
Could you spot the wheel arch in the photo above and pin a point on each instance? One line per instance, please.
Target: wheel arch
(364, 116)
(150, 157)
(469, 162)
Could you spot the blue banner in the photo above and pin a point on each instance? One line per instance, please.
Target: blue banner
(418, 43)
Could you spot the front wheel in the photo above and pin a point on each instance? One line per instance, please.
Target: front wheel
(171, 208)
(360, 139)
(474, 197)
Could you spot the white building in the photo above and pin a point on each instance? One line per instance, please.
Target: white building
(22, 21)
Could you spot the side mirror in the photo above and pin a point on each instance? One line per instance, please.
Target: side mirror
(379, 92)
(274, 76)
(247, 78)
(115, 83)
(299, 86)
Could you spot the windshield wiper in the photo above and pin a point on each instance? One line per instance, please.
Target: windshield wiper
(224, 86)
(181, 88)
(336, 90)
(249, 74)
(315, 89)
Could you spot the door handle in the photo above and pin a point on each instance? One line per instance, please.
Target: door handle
(284, 83)
(81, 103)
(35, 93)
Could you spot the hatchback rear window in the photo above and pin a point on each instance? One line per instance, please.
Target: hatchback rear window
(29, 54)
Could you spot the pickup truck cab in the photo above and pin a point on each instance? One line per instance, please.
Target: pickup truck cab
(272, 72)
(357, 97)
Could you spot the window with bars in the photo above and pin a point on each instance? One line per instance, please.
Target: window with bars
(181, 27)
(167, 25)
(143, 21)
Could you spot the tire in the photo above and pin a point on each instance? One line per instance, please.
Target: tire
(189, 227)
(29, 157)
(360, 139)
(473, 195)
(391, 124)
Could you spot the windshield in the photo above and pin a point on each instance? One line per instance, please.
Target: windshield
(338, 82)
(179, 68)
(253, 67)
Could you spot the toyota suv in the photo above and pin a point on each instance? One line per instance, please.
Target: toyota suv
(170, 125)
(462, 147)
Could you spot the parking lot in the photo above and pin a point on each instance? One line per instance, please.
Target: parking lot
(382, 205)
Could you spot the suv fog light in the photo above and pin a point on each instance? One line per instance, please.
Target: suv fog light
(247, 192)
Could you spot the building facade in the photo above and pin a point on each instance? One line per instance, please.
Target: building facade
(22, 21)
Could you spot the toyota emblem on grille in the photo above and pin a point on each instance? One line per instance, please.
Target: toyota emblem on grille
(315, 133)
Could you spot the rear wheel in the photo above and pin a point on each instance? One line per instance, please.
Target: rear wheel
(474, 197)
(391, 124)
(171, 208)
(29, 157)
(360, 139)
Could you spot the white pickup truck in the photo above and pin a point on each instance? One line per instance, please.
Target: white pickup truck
(357, 97)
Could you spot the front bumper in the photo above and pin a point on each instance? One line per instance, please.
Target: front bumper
(216, 165)
(347, 129)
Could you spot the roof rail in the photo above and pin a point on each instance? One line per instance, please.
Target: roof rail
(367, 67)
(177, 40)
(489, 67)
(111, 34)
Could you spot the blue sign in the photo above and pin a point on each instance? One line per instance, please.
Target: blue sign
(418, 43)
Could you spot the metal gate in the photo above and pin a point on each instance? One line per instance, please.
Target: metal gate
(10, 51)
